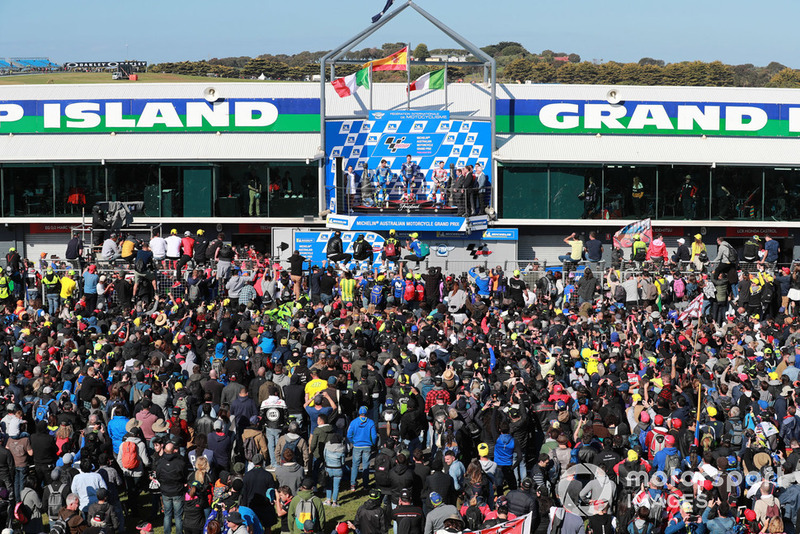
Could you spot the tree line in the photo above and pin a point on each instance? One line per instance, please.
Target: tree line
(514, 62)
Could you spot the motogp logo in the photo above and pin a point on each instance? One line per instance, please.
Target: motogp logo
(395, 144)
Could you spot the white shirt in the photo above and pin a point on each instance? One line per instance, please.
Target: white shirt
(158, 246)
(173, 246)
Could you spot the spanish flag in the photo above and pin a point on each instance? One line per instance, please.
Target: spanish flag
(397, 61)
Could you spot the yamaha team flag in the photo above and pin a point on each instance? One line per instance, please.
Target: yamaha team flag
(347, 86)
(377, 17)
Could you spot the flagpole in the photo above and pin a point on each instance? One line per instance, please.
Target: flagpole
(445, 86)
(408, 76)
(370, 86)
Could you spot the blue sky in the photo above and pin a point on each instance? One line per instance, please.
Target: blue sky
(172, 30)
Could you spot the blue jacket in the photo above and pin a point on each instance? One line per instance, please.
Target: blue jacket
(504, 450)
(267, 345)
(116, 429)
(362, 432)
(481, 280)
(719, 525)
(660, 459)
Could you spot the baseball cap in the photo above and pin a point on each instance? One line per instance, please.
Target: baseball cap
(436, 499)
(218, 425)
(633, 455)
(405, 495)
(669, 440)
(374, 494)
(483, 449)
(342, 528)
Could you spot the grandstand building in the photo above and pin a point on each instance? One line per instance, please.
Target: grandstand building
(191, 161)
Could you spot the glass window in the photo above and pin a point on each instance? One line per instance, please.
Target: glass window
(136, 183)
(296, 193)
(28, 191)
(241, 190)
(523, 192)
(575, 192)
(683, 192)
(79, 187)
(738, 193)
(782, 199)
(629, 192)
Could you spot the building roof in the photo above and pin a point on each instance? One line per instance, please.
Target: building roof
(160, 147)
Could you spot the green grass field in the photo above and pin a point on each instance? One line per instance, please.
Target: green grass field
(105, 77)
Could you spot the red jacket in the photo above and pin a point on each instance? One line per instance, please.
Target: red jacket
(657, 249)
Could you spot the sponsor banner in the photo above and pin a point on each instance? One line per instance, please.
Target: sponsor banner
(312, 244)
(750, 231)
(520, 525)
(49, 228)
(103, 64)
(648, 117)
(501, 234)
(407, 224)
(170, 115)
(407, 114)
(670, 231)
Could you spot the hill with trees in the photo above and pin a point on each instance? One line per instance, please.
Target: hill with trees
(514, 64)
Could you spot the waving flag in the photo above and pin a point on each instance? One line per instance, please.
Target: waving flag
(429, 80)
(397, 61)
(694, 310)
(624, 237)
(377, 17)
(347, 86)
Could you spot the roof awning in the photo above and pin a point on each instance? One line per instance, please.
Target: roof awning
(637, 149)
(44, 148)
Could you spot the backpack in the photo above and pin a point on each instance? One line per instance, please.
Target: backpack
(383, 465)
(59, 526)
(194, 292)
(389, 249)
(55, 501)
(473, 518)
(305, 510)
(558, 521)
(292, 446)
(409, 293)
(43, 410)
(22, 513)
(140, 266)
(420, 291)
(424, 250)
(619, 293)
(99, 518)
(773, 510)
(671, 463)
(362, 250)
(250, 448)
(658, 443)
(129, 455)
(737, 432)
(679, 288)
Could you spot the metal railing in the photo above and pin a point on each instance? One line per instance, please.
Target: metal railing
(418, 198)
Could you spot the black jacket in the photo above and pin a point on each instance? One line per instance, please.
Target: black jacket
(171, 473)
(334, 246)
(371, 518)
(441, 483)
(402, 478)
(520, 502)
(409, 518)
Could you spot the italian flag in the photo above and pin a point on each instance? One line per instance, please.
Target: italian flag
(430, 80)
(347, 86)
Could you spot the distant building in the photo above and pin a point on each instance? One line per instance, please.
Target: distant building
(441, 58)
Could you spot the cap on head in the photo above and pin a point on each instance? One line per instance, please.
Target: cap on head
(633, 456)
(436, 499)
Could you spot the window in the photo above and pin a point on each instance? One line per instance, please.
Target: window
(78, 187)
(28, 192)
